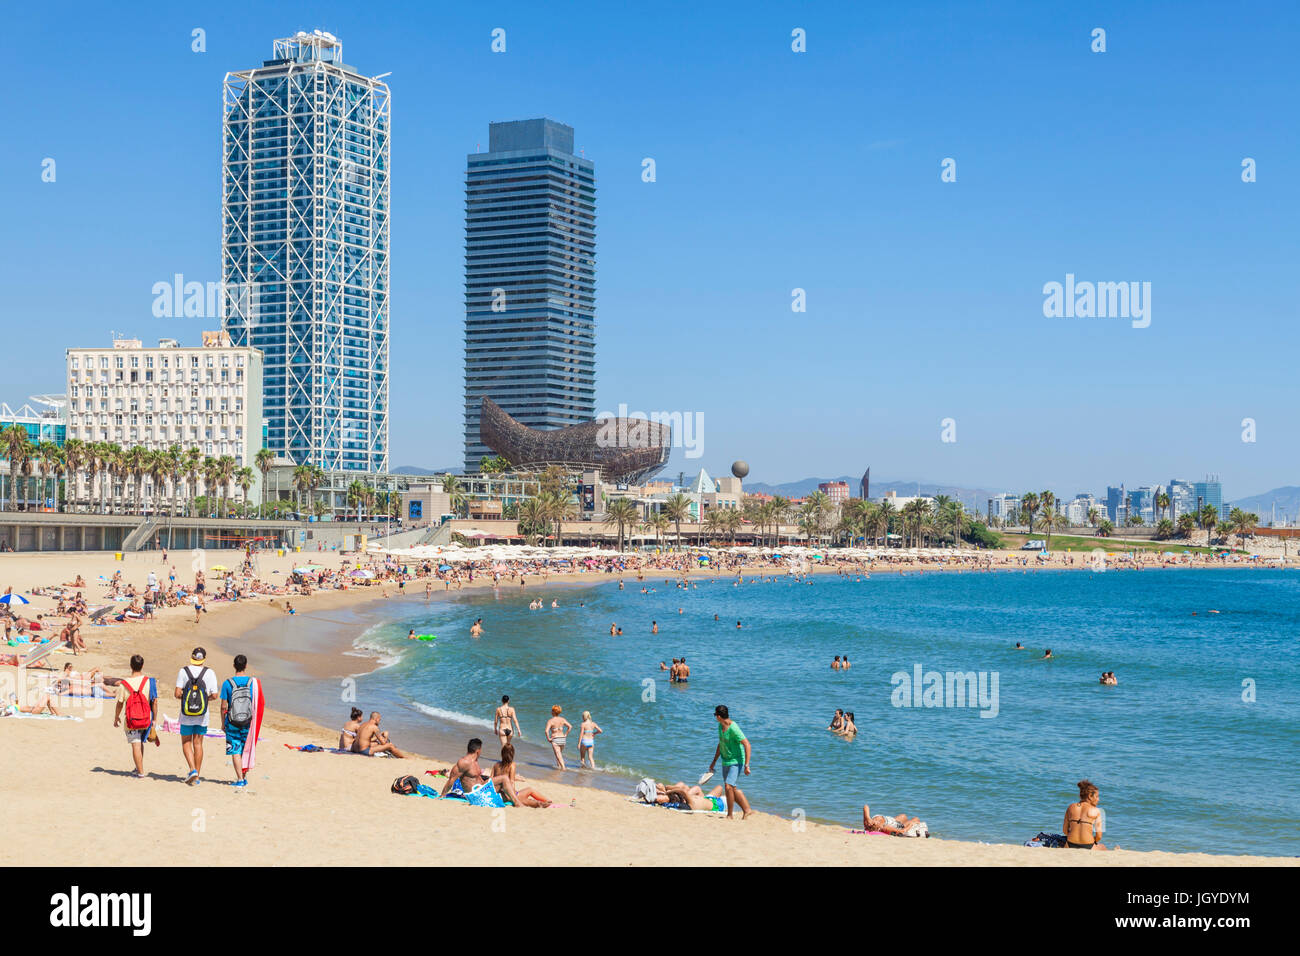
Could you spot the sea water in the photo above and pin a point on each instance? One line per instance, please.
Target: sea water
(1196, 749)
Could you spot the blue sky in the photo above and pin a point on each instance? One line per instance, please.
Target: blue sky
(775, 170)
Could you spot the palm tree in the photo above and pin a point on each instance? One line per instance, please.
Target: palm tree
(244, 479)
(780, 511)
(192, 464)
(451, 485)
(302, 479)
(622, 512)
(1162, 505)
(531, 517)
(678, 509)
(74, 460)
(1105, 528)
(1094, 516)
(715, 523)
(661, 523)
(1028, 507)
(887, 514)
(1209, 518)
(158, 467)
(264, 459)
(1186, 524)
(51, 463)
(1164, 529)
(16, 446)
(731, 521)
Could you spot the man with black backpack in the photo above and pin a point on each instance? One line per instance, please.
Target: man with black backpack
(240, 704)
(196, 685)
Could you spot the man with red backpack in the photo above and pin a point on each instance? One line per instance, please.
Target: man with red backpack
(137, 700)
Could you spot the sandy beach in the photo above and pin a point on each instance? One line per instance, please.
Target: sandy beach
(311, 809)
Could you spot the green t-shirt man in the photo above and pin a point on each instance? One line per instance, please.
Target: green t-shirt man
(730, 744)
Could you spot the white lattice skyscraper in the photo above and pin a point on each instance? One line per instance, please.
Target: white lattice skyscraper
(305, 196)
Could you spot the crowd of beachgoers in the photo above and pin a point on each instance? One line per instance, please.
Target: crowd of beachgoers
(75, 607)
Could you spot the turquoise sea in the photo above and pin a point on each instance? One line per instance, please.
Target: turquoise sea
(1197, 748)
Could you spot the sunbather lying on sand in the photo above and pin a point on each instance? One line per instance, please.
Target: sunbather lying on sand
(692, 796)
(41, 705)
(900, 824)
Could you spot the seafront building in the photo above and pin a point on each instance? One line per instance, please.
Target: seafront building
(1210, 492)
(207, 397)
(530, 280)
(305, 248)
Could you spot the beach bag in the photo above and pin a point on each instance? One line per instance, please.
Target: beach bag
(240, 713)
(194, 698)
(406, 785)
(139, 715)
(485, 795)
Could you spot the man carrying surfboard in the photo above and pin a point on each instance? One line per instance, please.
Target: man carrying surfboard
(242, 704)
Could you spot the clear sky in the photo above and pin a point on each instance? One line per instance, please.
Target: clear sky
(775, 170)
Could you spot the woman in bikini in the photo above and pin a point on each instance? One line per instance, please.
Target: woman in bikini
(899, 824)
(505, 767)
(349, 732)
(557, 732)
(1084, 821)
(587, 741)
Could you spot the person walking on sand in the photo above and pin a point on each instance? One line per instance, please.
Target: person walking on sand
(587, 741)
(557, 732)
(196, 685)
(240, 701)
(503, 720)
(733, 748)
(138, 696)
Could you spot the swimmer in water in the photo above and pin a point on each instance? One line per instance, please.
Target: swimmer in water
(410, 635)
(654, 627)
(1047, 655)
(835, 664)
(737, 624)
(1021, 647)
(476, 629)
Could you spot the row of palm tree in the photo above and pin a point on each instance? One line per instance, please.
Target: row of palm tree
(100, 466)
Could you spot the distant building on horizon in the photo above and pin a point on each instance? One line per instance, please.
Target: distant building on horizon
(836, 491)
(1210, 492)
(530, 280)
(304, 248)
(1003, 507)
(864, 486)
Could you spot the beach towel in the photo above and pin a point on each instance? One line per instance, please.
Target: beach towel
(683, 808)
(254, 728)
(41, 716)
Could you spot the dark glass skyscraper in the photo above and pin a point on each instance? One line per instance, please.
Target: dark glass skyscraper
(530, 280)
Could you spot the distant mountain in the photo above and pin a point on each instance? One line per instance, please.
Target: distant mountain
(413, 470)
(974, 499)
(1286, 498)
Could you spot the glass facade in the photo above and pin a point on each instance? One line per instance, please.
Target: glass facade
(530, 280)
(305, 249)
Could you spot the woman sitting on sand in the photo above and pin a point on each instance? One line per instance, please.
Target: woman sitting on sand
(349, 731)
(899, 824)
(1084, 821)
(505, 767)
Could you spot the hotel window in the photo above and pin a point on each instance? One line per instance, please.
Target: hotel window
(135, 361)
(74, 363)
(103, 361)
(148, 361)
(117, 362)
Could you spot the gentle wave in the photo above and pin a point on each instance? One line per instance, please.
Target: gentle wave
(451, 715)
